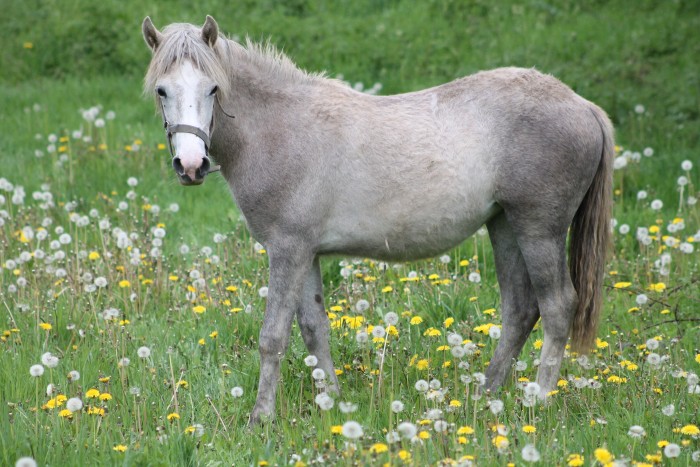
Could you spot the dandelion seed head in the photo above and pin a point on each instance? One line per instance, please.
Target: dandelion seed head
(74, 404)
(237, 392)
(352, 430)
(143, 352)
(36, 370)
(311, 361)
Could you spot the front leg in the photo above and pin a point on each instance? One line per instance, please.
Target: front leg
(288, 269)
(314, 325)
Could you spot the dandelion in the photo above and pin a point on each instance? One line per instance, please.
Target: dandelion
(311, 361)
(318, 374)
(74, 404)
(143, 352)
(656, 205)
(474, 277)
(263, 291)
(422, 385)
(691, 430)
(532, 389)
(496, 406)
(686, 165)
(530, 453)
(237, 391)
(495, 332)
(575, 460)
(636, 431)
(603, 456)
(124, 362)
(397, 406)
(120, 448)
(352, 430)
(324, 401)
(440, 426)
(361, 306)
(25, 462)
(652, 344)
(173, 416)
(407, 430)
(391, 319)
(672, 450)
(654, 359)
(36, 370)
(529, 429)
(668, 410)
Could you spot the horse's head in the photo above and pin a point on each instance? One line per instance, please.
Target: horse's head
(183, 75)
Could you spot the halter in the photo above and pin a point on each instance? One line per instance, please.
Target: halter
(170, 130)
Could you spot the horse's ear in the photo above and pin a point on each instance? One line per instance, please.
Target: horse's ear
(210, 31)
(152, 36)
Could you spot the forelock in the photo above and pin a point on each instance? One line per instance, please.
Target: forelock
(183, 42)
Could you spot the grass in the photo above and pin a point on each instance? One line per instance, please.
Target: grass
(617, 56)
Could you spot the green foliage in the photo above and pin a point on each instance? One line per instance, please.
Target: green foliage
(616, 53)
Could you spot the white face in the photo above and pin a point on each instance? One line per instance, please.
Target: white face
(188, 97)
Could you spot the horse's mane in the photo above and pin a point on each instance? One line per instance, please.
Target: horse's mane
(183, 41)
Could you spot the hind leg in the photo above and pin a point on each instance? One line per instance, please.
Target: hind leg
(518, 302)
(544, 251)
(314, 325)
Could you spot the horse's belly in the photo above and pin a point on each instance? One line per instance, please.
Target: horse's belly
(403, 235)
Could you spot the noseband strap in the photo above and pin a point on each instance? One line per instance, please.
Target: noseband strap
(170, 130)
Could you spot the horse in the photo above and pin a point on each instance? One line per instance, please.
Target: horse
(317, 168)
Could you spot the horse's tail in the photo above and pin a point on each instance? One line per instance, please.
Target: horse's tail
(589, 240)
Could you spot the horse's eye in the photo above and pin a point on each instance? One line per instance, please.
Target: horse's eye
(161, 92)
(213, 90)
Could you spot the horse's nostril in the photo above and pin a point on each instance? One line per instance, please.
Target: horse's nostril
(177, 165)
(203, 170)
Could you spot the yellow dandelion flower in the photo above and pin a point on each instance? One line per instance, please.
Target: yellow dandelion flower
(183, 384)
(691, 430)
(697, 358)
(422, 364)
(120, 448)
(387, 289)
(622, 285)
(65, 413)
(416, 320)
(449, 322)
(575, 460)
(455, 403)
(632, 367)
(378, 448)
(199, 309)
(124, 284)
(654, 458)
(424, 435)
(603, 456)
(45, 326)
(658, 287)
(538, 344)
(465, 430)
(446, 364)
(189, 430)
(464, 262)
(96, 411)
(500, 442)
(173, 416)
(105, 396)
(404, 455)
(616, 379)
(529, 429)
(93, 256)
(214, 334)
(601, 344)
(662, 444)
(104, 379)
(562, 383)
(337, 429)
(92, 393)
(462, 440)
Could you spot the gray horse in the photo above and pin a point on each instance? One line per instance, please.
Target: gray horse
(317, 168)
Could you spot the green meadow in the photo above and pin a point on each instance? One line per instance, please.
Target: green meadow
(131, 306)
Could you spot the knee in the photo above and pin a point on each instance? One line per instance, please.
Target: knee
(271, 345)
